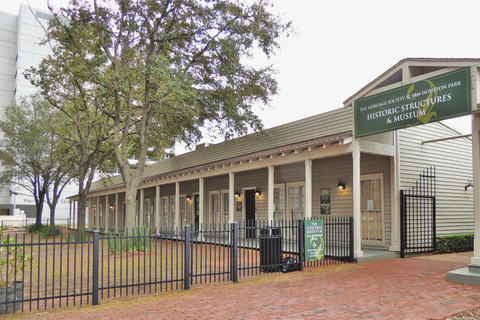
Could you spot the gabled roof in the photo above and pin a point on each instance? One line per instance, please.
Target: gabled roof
(408, 70)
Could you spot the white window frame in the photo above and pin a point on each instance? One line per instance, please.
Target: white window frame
(212, 214)
(289, 214)
(282, 204)
(93, 215)
(147, 214)
(101, 217)
(171, 206)
(224, 206)
(183, 211)
(164, 206)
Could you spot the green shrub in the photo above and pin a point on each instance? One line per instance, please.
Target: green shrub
(44, 230)
(34, 228)
(455, 243)
(12, 260)
(139, 240)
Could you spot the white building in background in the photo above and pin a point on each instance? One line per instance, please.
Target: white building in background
(20, 49)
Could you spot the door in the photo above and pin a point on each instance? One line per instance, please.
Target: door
(196, 209)
(372, 208)
(250, 213)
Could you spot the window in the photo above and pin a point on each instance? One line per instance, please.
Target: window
(183, 212)
(172, 212)
(296, 201)
(93, 216)
(225, 206)
(147, 213)
(43, 15)
(215, 207)
(279, 202)
(165, 212)
(100, 215)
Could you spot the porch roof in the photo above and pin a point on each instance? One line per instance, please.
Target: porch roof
(336, 138)
(329, 127)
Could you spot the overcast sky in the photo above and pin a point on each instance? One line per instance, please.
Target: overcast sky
(341, 46)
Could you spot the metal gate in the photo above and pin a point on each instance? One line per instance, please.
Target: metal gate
(417, 218)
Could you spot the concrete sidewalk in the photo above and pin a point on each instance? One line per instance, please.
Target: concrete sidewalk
(391, 289)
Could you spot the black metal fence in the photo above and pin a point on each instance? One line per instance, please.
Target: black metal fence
(418, 215)
(66, 271)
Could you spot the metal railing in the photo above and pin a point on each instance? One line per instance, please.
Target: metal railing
(74, 270)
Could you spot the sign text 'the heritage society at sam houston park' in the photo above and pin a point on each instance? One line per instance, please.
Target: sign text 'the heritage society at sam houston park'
(433, 99)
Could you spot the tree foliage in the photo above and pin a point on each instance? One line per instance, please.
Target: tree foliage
(30, 152)
(155, 72)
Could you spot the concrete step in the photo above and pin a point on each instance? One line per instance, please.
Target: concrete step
(370, 255)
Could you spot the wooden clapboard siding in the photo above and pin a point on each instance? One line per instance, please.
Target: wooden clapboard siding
(327, 172)
(253, 179)
(290, 173)
(453, 164)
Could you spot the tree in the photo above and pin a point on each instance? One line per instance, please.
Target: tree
(29, 152)
(158, 71)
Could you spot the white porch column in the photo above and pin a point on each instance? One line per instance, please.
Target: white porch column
(70, 224)
(106, 211)
(231, 197)
(97, 215)
(476, 189)
(201, 200)
(177, 205)
(116, 211)
(395, 195)
(308, 188)
(357, 215)
(140, 213)
(271, 191)
(157, 207)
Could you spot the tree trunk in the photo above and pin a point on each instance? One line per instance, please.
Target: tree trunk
(39, 207)
(82, 201)
(130, 208)
(52, 217)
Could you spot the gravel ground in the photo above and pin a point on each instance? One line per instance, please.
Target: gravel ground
(472, 314)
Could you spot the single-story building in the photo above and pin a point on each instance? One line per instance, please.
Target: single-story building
(330, 164)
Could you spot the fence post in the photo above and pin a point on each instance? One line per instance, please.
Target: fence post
(186, 283)
(301, 243)
(96, 249)
(352, 255)
(234, 246)
(402, 225)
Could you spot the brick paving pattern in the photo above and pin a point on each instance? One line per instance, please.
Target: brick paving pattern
(390, 289)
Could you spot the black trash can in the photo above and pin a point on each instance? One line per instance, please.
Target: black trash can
(270, 239)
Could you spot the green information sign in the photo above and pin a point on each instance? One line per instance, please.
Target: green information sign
(314, 240)
(433, 99)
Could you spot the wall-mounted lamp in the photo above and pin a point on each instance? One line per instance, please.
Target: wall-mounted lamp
(189, 197)
(469, 186)
(341, 185)
(237, 194)
(258, 192)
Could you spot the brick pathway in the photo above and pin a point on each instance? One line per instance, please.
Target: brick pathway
(391, 289)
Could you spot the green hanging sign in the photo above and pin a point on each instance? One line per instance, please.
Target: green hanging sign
(429, 100)
(314, 240)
